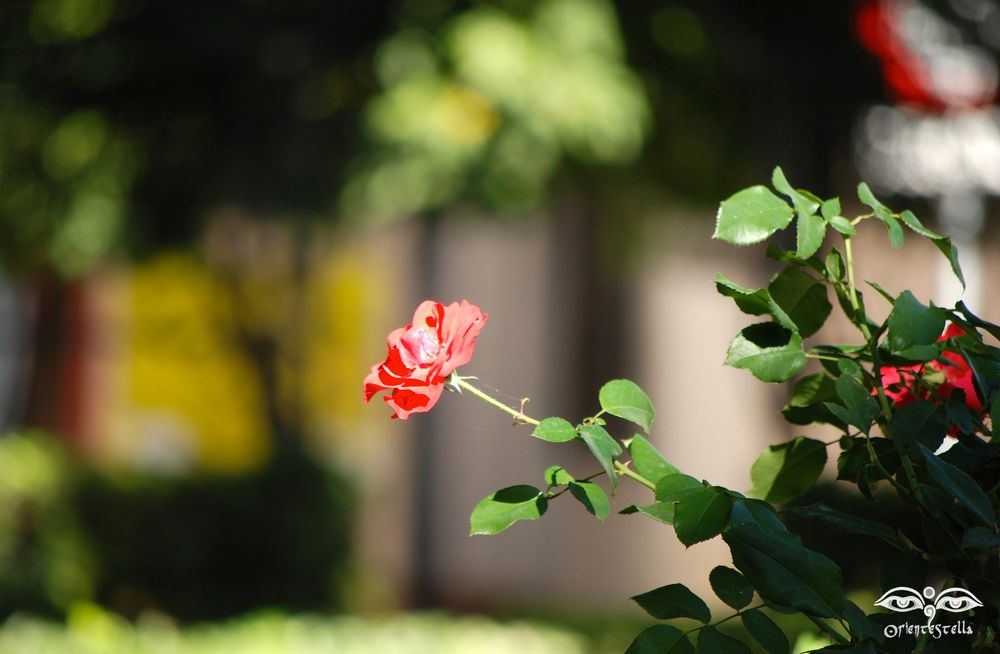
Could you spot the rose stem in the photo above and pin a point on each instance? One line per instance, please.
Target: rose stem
(460, 383)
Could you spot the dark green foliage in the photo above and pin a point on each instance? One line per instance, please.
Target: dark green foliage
(730, 586)
(46, 558)
(673, 601)
(181, 108)
(213, 547)
(894, 396)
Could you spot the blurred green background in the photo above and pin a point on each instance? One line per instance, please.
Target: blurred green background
(212, 212)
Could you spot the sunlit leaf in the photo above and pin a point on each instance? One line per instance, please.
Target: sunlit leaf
(503, 508)
(750, 216)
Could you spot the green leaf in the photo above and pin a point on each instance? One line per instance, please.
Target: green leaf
(911, 323)
(647, 461)
(554, 430)
(785, 572)
(895, 231)
(980, 538)
(950, 252)
(939, 509)
(958, 415)
(810, 228)
(673, 601)
(843, 225)
(845, 522)
(919, 422)
(701, 515)
(985, 368)
(624, 399)
(603, 447)
(847, 306)
(855, 456)
(763, 630)
(834, 266)
(830, 208)
(862, 648)
(884, 293)
(804, 204)
(503, 508)
(861, 626)
(911, 221)
(754, 302)
(592, 497)
(810, 232)
(883, 213)
(750, 216)
(762, 514)
(787, 470)
(557, 476)
(868, 198)
(713, 641)
(676, 487)
(920, 353)
(855, 464)
(868, 477)
(731, 587)
(787, 256)
(851, 460)
(960, 486)
(802, 298)
(907, 569)
(993, 330)
(860, 408)
(770, 352)
(659, 511)
(807, 404)
(661, 639)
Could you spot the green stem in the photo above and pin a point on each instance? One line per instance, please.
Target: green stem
(460, 383)
(852, 287)
(906, 493)
(911, 475)
(862, 322)
(550, 495)
(829, 630)
(725, 619)
(624, 470)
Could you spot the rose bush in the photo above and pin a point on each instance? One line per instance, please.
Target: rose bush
(423, 354)
(894, 395)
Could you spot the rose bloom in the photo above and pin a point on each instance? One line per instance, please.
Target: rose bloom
(899, 382)
(423, 354)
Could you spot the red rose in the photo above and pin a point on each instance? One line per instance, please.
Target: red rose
(897, 381)
(958, 375)
(423, 354)
(900, 386)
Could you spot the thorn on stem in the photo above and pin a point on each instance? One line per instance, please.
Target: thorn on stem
(519, 419)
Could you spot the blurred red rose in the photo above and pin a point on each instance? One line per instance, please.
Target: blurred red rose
(423, 354)
(900, 386)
